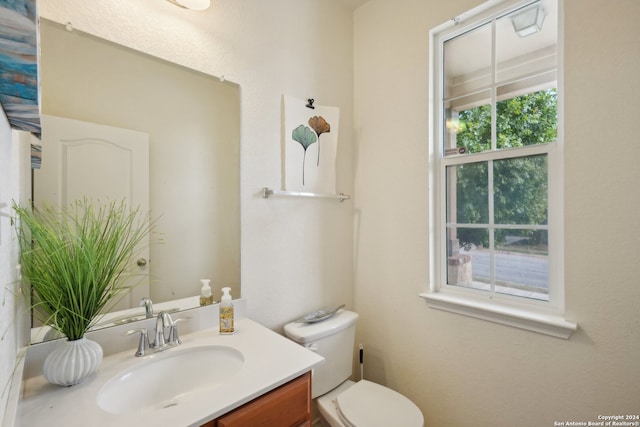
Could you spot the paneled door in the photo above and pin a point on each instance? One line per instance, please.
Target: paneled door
(105, 163)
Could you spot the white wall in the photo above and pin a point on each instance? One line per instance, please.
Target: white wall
(8, 345)
(13, 327)
(462, 371)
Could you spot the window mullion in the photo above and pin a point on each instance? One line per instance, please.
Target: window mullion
(494, 147)
(444, 231)
(492, 258)
(494, 94)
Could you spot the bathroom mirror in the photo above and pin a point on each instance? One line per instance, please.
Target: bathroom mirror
(193, 123)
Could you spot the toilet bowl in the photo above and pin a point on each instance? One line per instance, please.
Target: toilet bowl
(340, 401)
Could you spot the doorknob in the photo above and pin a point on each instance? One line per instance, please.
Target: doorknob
(141, 262)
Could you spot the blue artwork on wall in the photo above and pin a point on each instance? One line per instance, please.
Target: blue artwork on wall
(19, 64)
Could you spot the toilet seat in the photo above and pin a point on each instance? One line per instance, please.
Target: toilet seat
(367, 404)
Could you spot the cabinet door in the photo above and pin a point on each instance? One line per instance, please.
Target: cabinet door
(287, 406)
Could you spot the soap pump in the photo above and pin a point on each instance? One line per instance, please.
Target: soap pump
(206, 298)
(226, 313)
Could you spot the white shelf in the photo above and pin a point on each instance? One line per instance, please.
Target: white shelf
(268, 192)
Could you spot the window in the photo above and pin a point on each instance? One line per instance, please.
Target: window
(496, 194)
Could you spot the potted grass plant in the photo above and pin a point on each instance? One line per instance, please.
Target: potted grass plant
(75, 263)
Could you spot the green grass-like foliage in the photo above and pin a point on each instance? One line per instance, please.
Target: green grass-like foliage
(76, 260)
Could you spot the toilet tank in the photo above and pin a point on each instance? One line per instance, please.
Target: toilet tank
(334, 340)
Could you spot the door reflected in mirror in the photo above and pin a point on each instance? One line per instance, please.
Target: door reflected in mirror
(193, 123)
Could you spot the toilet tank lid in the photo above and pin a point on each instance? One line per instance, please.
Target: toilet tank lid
(307, 332)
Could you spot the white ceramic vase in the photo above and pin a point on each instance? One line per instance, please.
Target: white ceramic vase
(72, 361)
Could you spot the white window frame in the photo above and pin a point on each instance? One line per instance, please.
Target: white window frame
(538, 316)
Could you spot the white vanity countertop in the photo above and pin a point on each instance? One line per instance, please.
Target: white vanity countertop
(270, 360)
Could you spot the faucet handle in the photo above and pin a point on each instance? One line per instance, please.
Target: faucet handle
(167, 320)
(162, 321)
(143, 344)
(173, 330)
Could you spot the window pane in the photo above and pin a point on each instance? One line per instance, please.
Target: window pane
(468, 257)
(520, 190)
(527, 119)
(522, 263)
(467, 194)
(469, 128)
(518, 56)
(467, 62)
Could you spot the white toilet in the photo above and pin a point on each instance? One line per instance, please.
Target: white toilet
(341, 402)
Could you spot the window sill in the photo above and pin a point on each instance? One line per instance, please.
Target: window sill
(548, 324)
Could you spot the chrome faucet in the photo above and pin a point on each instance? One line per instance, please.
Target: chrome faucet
(161, 342)
(148, 307)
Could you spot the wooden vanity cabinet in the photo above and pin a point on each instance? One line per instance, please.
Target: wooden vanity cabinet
(287, 406)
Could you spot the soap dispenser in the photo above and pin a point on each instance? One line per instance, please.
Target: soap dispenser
(226, 313)
(206, 298)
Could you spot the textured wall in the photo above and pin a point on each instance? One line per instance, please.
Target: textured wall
(8, 344)
(462, 371)
(13, 327)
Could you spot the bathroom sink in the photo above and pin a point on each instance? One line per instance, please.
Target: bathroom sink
(166, 379)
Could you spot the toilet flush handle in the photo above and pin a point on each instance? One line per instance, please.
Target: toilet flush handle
(312, 347)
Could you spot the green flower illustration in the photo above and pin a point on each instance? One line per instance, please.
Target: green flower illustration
(305, 137)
